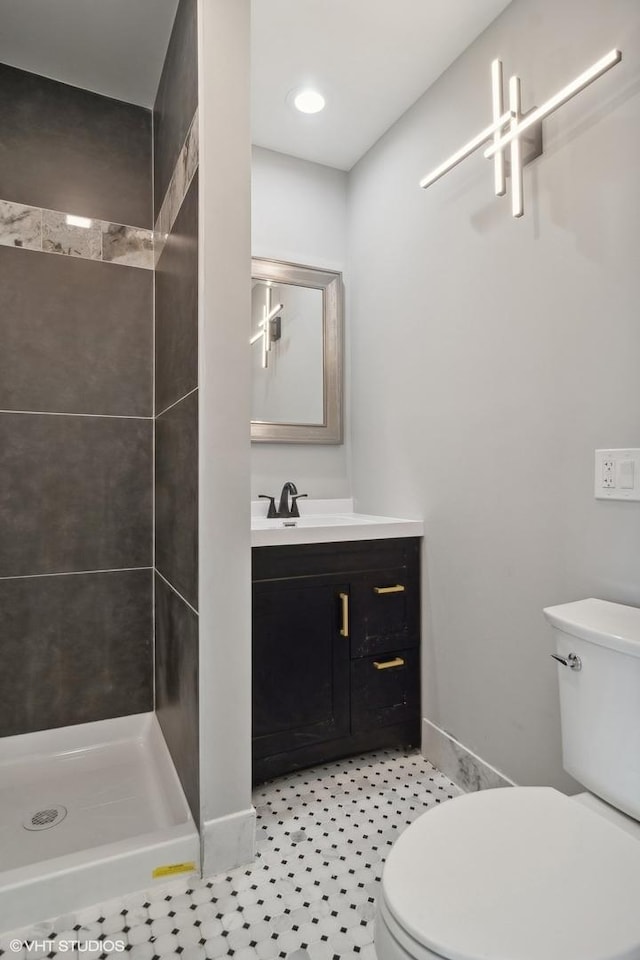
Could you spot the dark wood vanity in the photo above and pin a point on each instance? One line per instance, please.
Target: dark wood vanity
(336, 651)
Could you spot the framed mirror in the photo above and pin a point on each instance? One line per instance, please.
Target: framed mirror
(296, 353)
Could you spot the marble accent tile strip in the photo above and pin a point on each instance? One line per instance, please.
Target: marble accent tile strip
(51, 231)
(186, 166)
(469, 771)
(20, 226)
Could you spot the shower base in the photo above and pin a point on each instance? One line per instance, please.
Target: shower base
(87, 813)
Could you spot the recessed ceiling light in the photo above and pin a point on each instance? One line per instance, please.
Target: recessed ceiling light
(309, 101)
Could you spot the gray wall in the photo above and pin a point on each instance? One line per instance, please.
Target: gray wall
(299, 213)
(75, 407)
(492, 356)
(176, 409)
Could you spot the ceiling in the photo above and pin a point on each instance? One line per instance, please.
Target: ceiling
(371, 59)
(113, 47)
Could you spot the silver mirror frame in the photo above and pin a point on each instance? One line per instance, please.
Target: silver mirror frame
(331, 430)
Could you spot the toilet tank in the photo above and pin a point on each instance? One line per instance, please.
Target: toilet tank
(600, 697)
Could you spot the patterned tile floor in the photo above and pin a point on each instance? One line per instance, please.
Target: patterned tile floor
(322, 837)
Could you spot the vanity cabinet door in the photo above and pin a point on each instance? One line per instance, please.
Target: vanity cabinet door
(300, 665)
(385, 611)
(384, 690)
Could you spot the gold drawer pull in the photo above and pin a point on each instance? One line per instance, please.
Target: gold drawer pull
(396, 662)
(344, 629)
(397, 588)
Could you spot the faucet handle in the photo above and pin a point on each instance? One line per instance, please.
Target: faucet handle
(294, 503)
(271, 512)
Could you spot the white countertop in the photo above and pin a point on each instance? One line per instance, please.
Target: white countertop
(326, 521)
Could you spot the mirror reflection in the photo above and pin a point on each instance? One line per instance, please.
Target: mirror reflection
(287, 354)
(296, 353)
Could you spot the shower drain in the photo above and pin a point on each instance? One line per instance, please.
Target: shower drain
(45, 818)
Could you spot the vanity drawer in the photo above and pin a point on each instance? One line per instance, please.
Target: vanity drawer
(385, 611)
(385, 689)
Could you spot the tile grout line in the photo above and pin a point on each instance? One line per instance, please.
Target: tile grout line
(153, 409)
(177, 593)
(56, 413)
(73, 573)
(175, 403)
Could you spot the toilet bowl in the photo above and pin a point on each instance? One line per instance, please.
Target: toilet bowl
(511, 874)
(527, 873)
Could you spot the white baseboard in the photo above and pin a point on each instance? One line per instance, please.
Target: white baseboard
(467, 770)
(228, 842)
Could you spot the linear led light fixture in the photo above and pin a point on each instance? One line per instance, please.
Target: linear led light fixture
(465, 151)
(266, 331)
(558, 100)
(508, 127)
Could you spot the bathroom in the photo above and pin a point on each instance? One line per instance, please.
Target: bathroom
(485, 359)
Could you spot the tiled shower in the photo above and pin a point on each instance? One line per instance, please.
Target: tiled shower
(99, 406)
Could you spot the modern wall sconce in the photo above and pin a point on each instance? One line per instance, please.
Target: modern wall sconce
(270, 327)
(521, 133)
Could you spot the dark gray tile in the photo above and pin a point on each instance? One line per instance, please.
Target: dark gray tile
(177, 306)
(177, 497)
(74, 151)
(177, 687)
(75, 649)
(76, 493)
(177, 97)
(77, 336)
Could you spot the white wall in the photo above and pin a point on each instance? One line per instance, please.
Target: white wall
(299, 214)
(492, 356)
(224, 304)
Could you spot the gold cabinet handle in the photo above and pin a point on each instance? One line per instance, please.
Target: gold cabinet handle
(397, 588)
(344, 629)
(388, 664)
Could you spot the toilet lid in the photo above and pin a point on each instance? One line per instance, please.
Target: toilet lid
(519, 873)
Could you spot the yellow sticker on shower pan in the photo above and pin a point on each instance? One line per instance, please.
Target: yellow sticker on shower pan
(172, 868)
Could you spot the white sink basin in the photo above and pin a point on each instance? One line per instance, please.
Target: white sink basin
(326, 521)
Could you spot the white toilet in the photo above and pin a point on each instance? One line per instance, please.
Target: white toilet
(529, 873)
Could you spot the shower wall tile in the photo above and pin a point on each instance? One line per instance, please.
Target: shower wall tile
(74, 150)
(127, 245)
(77, 336)
(60, 237)
(176, 672)
(191, 151)
(177, 97)
(177, 497)
(183, 174)
(175, 132)
(177, 307)
(84, 646)
(76, 493)
(20, 226)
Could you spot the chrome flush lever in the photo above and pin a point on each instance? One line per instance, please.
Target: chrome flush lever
(573, 661)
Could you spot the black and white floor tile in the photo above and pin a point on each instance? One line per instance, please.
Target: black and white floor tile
(322, 838)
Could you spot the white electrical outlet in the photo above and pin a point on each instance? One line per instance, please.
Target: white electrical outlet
(608, 472)
(617, 474)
